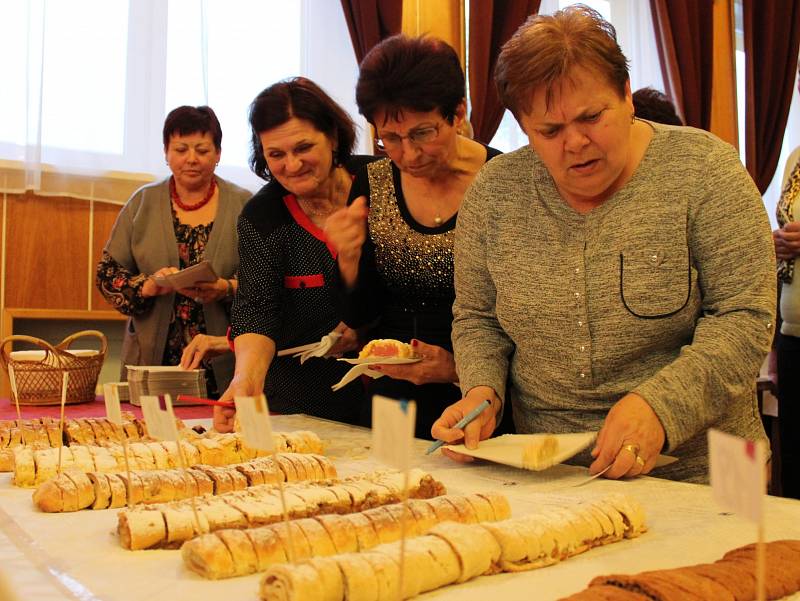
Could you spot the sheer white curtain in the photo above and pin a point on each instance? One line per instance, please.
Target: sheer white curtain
(634, 24)
(87, 83)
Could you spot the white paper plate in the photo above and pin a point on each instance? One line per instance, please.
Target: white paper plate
(382, 360)
(507, 449)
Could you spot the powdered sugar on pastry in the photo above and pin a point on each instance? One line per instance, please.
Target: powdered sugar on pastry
(539, 454)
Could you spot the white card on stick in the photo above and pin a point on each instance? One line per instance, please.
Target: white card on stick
(738, 474)
(111, 397)
(159, 417)
(393, 431)
(253, 414)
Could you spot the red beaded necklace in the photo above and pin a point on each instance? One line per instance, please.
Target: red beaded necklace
(173, 192)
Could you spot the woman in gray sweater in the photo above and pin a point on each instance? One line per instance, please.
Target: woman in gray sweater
(615, 275)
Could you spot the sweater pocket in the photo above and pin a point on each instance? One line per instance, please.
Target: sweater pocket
(655, 283)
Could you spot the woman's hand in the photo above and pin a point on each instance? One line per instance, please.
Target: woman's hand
(437, 366)
(479, 429)
(242, 384)
(150, 288)
(207, 292)
(630, 440)
(348, 341)
(787, 241)
(203, 346)
(346, 230)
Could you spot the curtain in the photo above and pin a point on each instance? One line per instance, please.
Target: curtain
(87, 124)
(491, 24)
(370, 21)
(771, 39)
(684, 33)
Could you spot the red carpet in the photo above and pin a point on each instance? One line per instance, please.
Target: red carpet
(95, 409)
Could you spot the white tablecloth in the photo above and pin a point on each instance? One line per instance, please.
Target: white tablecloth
(63, 557)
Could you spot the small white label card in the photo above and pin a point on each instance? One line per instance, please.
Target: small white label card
(111, 397)
(253, 415)
(159, 417)
(738, 473)
(393, 431)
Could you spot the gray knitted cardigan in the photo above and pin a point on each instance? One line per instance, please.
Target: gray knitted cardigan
(667, 289)
(143, 241)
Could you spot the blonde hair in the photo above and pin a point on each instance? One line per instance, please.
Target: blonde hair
(547, 47)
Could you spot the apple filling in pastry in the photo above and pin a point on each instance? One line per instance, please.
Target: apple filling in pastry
(213, 555)
(386, 347)
(454, 552)
(109, 490)
(33, 467)
(169, 524)
(45, 433)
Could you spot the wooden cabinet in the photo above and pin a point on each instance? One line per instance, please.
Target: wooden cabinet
(50, 246)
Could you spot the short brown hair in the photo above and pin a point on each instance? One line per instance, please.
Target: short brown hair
(418, 74)
(187, 120)
(302, 98)
(546, 47)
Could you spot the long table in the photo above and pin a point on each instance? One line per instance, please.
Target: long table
(76, 556)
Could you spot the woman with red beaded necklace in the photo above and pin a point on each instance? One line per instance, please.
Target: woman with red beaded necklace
(168, 226)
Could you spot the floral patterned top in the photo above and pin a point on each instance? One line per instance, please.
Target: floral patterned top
(123, 289)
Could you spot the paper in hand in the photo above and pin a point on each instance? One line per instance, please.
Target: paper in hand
(199, 273)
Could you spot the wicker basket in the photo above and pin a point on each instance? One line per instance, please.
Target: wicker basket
(39, 380)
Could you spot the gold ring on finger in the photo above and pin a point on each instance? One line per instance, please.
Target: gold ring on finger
(632, 447)
(640, 460)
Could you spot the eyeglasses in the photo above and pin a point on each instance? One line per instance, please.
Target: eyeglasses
(417, 137)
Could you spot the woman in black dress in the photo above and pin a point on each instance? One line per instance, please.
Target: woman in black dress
(395, 239)
(302, 144)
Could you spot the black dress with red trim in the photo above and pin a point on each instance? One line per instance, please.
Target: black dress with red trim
(287, 275)
(405, 285)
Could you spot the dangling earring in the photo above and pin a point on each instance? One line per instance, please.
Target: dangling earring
(335, 155)
(633, 117)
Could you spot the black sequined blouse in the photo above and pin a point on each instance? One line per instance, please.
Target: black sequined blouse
(405, 284)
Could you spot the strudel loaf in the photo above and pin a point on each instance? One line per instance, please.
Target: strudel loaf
(229, 553)
(170, 524)
(32, 467)
(732, 578)
(44, 433)
(75, 490)
(454, 552)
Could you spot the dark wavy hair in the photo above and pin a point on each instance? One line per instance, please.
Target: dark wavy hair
(653, 105)
(413, 73)
(186, 120)
(302, 98)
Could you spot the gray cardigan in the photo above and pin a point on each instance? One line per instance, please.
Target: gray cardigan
(143, 241)
(667, 289)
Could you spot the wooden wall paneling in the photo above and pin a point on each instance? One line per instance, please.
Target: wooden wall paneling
(105, 214)
(47, 245)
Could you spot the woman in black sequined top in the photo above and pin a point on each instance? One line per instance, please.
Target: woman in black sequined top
(396, 264)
